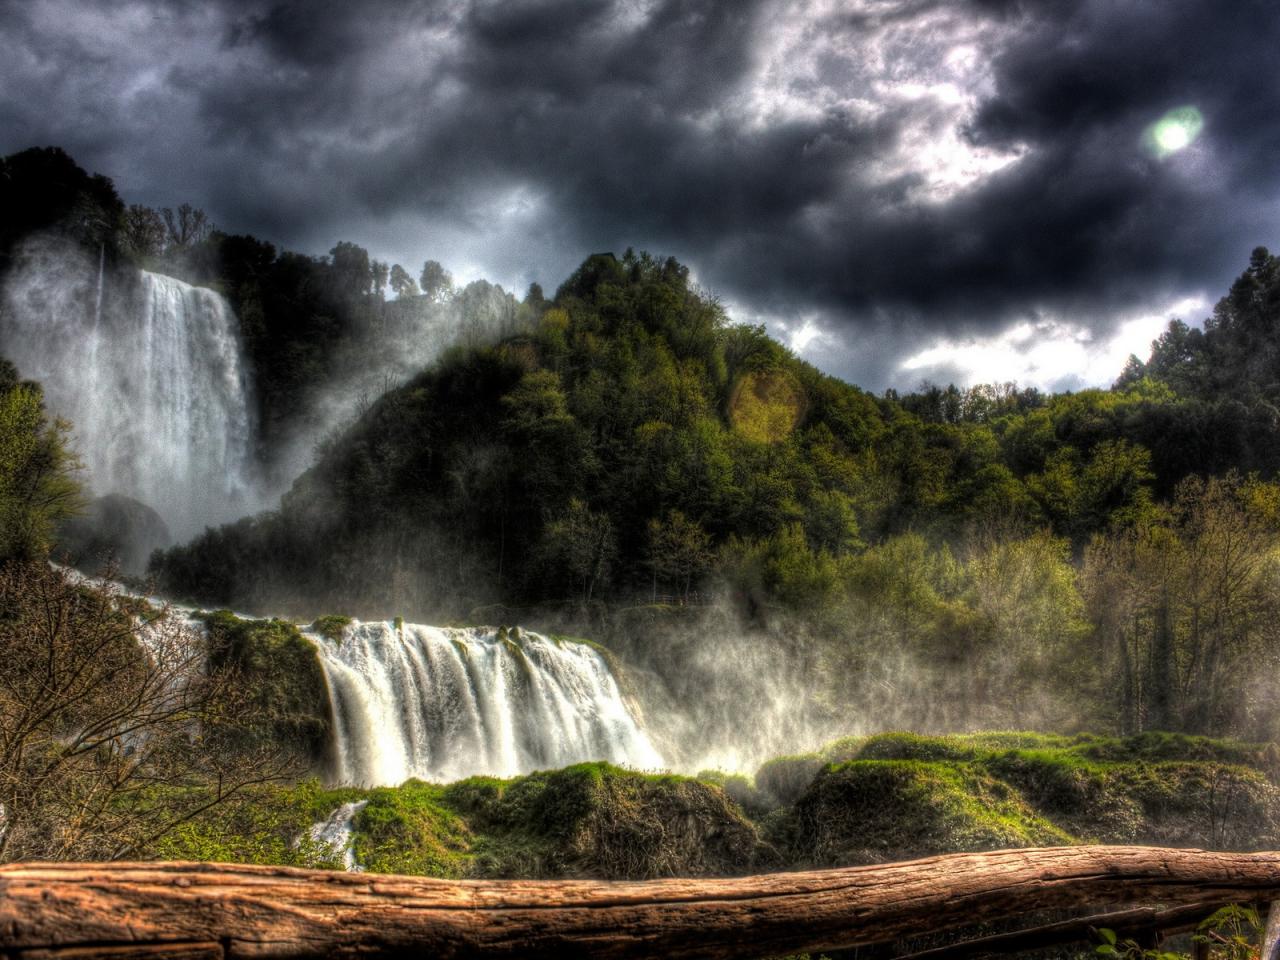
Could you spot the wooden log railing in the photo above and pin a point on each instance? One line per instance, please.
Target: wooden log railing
(171, 910)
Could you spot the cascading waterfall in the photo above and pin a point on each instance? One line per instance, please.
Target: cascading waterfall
(152, 379)
(441, 704)
(193, 411)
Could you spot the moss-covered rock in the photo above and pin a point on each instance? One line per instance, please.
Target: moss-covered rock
(283, 673)
(906, 795)
(595, 819)
(874, 811)
(331, 627)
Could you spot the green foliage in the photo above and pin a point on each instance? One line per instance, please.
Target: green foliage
(956, 559)
(1129, 949)
(1232, 933)
(408, 829)
(895, 796)
(37, 471)
(967, 791)
(331, 626)
(581, 542)
(679, 550)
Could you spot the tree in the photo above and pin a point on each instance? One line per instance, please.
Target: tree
(437, 282)
(112, 733)
(351, 272)
(583, 542)
(679, 550)
(380, 271)
(402, 285)
(37, 470)
(1185, 603)
(144, 231)
(188, 227)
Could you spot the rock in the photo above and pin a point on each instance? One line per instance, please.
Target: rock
(114, 528)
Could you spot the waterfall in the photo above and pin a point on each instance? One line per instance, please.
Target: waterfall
(152, 380)
(441, 704)
(334, 835)
(97, 298)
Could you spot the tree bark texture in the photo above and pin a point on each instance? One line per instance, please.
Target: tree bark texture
(172, 910)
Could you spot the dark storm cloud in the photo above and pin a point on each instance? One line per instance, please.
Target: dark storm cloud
(833, 161)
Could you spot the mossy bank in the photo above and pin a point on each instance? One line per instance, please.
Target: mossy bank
(860, 800)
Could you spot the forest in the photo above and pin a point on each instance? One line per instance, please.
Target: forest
(623, 461)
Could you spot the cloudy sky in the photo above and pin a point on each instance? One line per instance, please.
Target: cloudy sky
(901, 189)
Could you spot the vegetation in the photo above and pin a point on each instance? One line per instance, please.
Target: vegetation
(113, 731)
(280, 674)
(889, 797)
(956, 559)
(37, 471)
(588, 820)
(628, 463)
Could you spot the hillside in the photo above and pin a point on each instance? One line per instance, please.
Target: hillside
(630, 433)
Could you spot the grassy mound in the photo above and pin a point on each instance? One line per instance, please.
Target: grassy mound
(592, 820)
(876, 811)
(902, 795)
(283, 673)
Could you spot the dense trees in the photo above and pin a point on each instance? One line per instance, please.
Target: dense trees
(625, 441)
(42, 190)
(1186, 608)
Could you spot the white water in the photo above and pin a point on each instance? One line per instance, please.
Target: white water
(441, 704)
(152, 379)
(335, 834)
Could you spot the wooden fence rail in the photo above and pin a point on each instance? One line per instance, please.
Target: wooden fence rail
(171, 910)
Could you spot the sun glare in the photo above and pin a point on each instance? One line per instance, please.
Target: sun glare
(1175, 131)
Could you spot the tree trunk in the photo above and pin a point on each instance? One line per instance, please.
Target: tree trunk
(220, 910)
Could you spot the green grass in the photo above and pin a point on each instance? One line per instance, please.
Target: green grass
(263, 825)
(591, 819)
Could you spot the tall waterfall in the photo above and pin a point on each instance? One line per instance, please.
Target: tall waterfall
(152, 379)
(441, 704)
